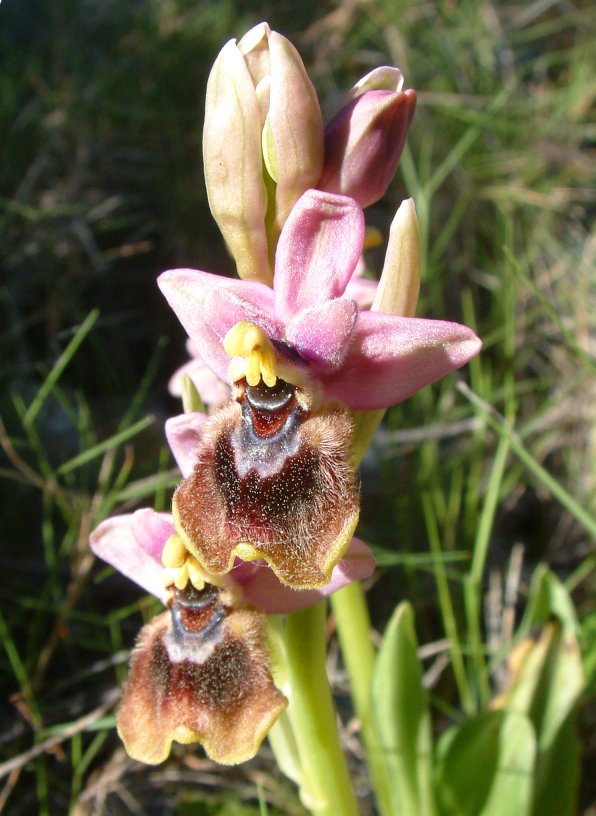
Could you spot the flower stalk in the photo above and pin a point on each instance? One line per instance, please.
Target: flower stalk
(354, 634)
(326, 786)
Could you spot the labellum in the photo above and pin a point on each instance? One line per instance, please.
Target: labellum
(272, 481)
(199, 673)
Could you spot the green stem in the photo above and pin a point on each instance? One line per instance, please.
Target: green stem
(326, 786)
(446, 606)
(353, 630)
(473, 580)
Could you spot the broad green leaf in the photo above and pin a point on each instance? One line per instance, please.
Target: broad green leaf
(588, 644)
(484, 767)
(553, 715)
(557, 777)
(401, 716)
(526, 663)
(546, 683)
(511, 791)
(546, 669)
(548, 598)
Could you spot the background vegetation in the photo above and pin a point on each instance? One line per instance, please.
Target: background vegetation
(474, 481)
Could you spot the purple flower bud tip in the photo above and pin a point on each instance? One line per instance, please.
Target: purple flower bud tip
(364, 142)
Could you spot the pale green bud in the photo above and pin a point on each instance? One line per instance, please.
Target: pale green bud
(293, 139)
(399, 286)
(233, 164)
(262, 144)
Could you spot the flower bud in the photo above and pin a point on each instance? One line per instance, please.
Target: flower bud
(399, 286)
(293, 139)
(364, 141)
(262, 144)
(383, 78)
(232, 159)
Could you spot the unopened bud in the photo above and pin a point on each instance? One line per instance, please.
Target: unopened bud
(365, 139)
(397, 294)
(262, 144)
(233, 164)
(293, 141)
(364, 142)
(399, 286)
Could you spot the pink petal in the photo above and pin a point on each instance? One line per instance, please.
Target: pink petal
(152, 530)
(390, 358)
(262, 589)
(321, 333)
(212, 390)
(132, 543)
(197, 299)
(319, 247)
(184, 434)
(227, 306)
(362, 290)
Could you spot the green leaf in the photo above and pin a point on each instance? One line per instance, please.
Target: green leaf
(401, 716)
(548, 598)
(283, 744)
(546, 683)
(588, 644)
(558, 773)
(485, 766)
(553, 714)
(547, 672)
(59, 366)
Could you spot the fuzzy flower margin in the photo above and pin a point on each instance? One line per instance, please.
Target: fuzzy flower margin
(133, 543)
